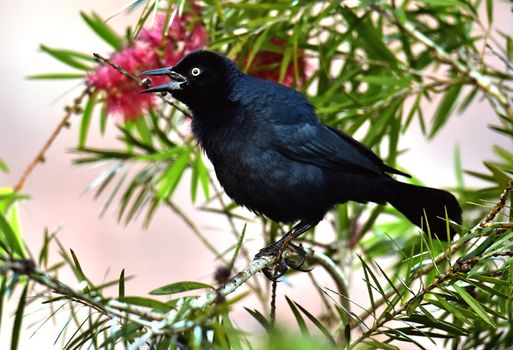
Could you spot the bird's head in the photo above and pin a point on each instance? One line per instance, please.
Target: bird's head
(202, 79)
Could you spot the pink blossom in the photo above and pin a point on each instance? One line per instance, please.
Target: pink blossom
(150, 50)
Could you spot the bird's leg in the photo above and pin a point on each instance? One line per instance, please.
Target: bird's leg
(277, 248)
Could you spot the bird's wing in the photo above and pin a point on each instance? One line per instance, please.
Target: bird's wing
(368, 152)
(318, 145)
(311, 141)
(298, 133)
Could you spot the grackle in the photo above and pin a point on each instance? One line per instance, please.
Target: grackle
(273, 155)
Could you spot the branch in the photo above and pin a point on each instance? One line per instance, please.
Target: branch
(218, 294)
(146, 83)
(40, 156)
(461, 266)
(482, 81)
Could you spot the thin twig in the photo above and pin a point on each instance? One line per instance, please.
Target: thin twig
(498, 207)
(141, 82)
(194, 229)
(461, 267)
(40, 156)
(272, 313)
(103, 60)
(251, 269)
(484, 82)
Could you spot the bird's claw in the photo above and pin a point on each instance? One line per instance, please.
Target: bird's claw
(277, 273)
(275, 250)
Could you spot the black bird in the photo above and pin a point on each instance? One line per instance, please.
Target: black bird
(273, 155)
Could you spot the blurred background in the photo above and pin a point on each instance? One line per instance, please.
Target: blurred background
(167, 251)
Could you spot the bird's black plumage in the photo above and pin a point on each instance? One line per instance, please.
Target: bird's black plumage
(273, 155)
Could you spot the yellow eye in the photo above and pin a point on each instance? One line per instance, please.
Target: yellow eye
(195, 72)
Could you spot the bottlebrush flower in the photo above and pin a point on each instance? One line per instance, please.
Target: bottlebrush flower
(267, 64)
(150, 50)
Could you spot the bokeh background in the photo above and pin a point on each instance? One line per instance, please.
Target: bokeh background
(166, 251)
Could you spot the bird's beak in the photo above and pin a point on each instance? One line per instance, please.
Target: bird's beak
(169, 72)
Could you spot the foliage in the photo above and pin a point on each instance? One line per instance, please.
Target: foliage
(370, 68)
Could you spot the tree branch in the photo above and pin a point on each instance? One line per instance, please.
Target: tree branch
(461, 266)
(40, 156)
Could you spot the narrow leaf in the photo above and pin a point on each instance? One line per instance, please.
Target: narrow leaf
(300, 321)
(317, 323)
(18, 319)
(172, 176)
(79, 273)
(86, 119)
(3, 166)
(55, 76)
(260, 318)
(445, 108)
(121, 285)
(179, 287)
(11, 238)
(103, 30)
(474, 304)
(66, 57)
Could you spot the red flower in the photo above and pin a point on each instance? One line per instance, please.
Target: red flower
(150, 50)
(122, 96)
(267, 64)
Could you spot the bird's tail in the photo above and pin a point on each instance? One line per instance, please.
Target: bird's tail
(413, 201)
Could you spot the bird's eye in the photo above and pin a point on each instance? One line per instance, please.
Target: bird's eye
(195, 71)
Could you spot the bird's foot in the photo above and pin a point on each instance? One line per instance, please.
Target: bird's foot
(281, 265)
(297, 260)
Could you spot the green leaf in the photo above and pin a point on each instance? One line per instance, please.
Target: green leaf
(468, 99)
(79, 273)
(121, 284)
(3, 166)
(412, 306)
(458, 171)
(260, 318)
(172, 176)
(18, 319)
(237, 247)
(103, 30)
(374, 344)
(299, 319)
(437, 323)
(445, 108)
(317, 323)
(146, 302)
(103, 120)
(199, 175)
(443, 3)
(67, 57)
(372, 40)
(144, 132)
(180, 287)
(285, 62)
(489, 11)
(13, 240)
(385, 80)
(3, 296)
(256, 47)
(219, 9)
(474, 304)
(54, 76)
(86, 119)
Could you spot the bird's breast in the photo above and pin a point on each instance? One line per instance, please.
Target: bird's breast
(256, 175)
(266, 182)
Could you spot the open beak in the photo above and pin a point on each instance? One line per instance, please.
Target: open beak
(169, 72)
